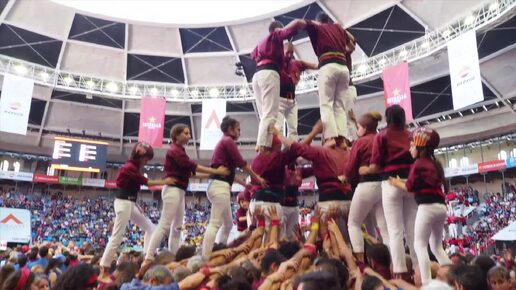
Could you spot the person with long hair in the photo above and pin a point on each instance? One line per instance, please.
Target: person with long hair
(129, 181)
(426, 180)
(22, 279)
(367, 198)
(179, 167)
(391, 157)
(219, 189)
(79, 277)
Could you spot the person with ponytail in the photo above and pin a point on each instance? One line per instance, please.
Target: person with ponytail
(368, 193)
(23, 279)
(219, 189)
(426, 180)
(179, 167)
(391, 157)
(129, 181)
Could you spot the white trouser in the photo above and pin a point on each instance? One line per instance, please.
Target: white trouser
(289, 222)
(171, 220)
(452, 228)
(333, 81)
(266, 87)
(288, 111)
(221, 221)
(400, 210)
(429, 229)
(367, 199)
(342, 221)
(265, 205)
(125, 210)
(351, 95)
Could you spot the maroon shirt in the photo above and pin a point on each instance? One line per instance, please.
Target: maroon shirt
(271, 48)
(291, 72)
(360, 155)
(424, 182)
(226, 154)
(271, 167)
(241, 225)
(326, 37)
(179, 166)
(391, 151)
(130, 179)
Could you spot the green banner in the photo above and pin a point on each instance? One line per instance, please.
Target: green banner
(70, 180)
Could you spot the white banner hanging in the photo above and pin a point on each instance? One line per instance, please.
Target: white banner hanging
(466, 83)
(15, 104)
(15, 225)
(213, 111)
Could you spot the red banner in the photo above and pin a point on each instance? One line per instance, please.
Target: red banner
(492, 165)
(43, 178)
(152, 120)
(307, 185)
(110, 184)
(396, 88)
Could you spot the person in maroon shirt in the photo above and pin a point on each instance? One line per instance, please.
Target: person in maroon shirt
(243, 199)
(268, 55)
(391, 157)
(219, 189)
(129, 181)
(290, 74)
(367, 198)
(426, 181)
(331, 44)
(178, 166)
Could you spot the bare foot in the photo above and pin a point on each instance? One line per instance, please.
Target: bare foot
(104, 276)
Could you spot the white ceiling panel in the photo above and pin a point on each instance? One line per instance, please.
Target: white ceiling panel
(212, 70)
(351, 12)
(154, 40)
(246, 36)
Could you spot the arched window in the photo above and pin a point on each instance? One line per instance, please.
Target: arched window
(464, 161)
(502, 155)
(50, 170)
(452, 163)
(4, 165)
(16, 166)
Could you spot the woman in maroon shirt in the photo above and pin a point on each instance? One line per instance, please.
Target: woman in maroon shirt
(391, 157)
(178, 166)
(367, 198)
(219, 189)
(426, 181)
(129, 181)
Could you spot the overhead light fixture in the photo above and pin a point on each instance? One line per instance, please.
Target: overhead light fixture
(214, 92)
(472, 111)
(68, 80)
(242, 92)
(133, 90)
(485, 108)
(153, 91)
(90, 84)
(89, 96)
(362, 68)
(497, 104)
(460, 113)
(174, 93)
(21, 69)
(469, 20)
(446, 33)
(493, 6)
(403, 53)
(425, 44)
(438, 119)
(44, 75)
(112, 87)
(194, 93)
(382, 61)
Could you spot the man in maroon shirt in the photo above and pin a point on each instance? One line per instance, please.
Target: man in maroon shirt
(331, 44)
(290, 74)
(268, 55)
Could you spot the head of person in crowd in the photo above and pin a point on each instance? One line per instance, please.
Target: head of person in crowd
(158, 275)
(368, 123)
(423, 142)
(22, 279)
(484, 262)
(395, 117)
(444, 275)
(142, 153)
(184, 252)
(336, 267)
(180, 134)
(316, 281)
(124, 272)
(164, 257)
(243, 199)
(469, 277)
(5, 271)
(288, 248)
(371, 283)
(180, 273)
(275, 25)
(271, 262)
(323, 17)
(379, 259)
(79, 277)
(230, 127)
(42, 282)
(499, 278)
(195, 263)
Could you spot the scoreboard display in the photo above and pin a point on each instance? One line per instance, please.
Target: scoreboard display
(79, 154)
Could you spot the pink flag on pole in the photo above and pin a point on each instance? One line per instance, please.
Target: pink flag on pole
(152, 121)
(396, 88)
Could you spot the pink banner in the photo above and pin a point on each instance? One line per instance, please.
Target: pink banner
(110, 184)
(152, 120)
(43, 178)
(396, 88)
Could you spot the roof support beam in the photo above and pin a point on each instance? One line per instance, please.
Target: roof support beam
(122, 119)
(497, 93)
(194, 136)
(43, 121)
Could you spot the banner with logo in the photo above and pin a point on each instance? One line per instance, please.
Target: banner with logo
(110, 184)
(458, 171)
(396, 88)
(43, 178)
(12, 175)
(510, 162)
(93, 182)
(15, 104)
(492, 165)
(213, 111)
(466, 84)
(310, 185)
(66, 180)
(15, 225)
(152, 121)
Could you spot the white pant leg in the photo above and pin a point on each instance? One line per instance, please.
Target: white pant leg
(340, 112)
(145, 224)
(171, 197)
(409, 219)
(381, 223)
(123, 209)
(219, 197)
(178, 216)
(267, 102)
(289, 222)
(291, 118)
(436, 237)
(367, 196)
(327, 82)
(453, 230)
(280, 120)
